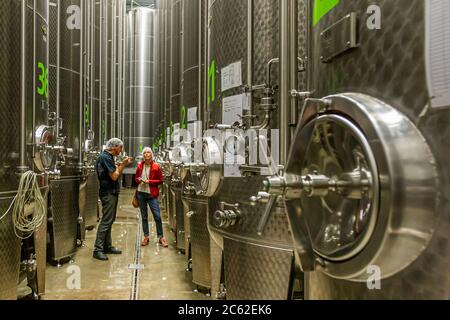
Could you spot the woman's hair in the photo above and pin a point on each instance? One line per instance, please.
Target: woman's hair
(147, 149)
(114, 143)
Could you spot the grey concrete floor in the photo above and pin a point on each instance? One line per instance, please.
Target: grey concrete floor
(163, 277)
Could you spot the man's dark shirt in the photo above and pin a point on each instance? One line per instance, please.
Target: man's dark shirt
(105, 165)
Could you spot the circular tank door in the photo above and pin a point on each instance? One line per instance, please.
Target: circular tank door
(182, 154)
(43, 156)
(207, 176)
(360, 188)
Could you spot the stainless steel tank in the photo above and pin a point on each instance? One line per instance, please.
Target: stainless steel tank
(92, 141)
(25, 125)
(167, 133)
(257, 245)
(366, 177)
(192, 96)
(162, 132)
(109, 114)
(175, 115)
(67, 100)
(140, 117)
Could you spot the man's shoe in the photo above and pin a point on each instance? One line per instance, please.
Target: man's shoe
(100, 256)
(113, 250)
(163, 242)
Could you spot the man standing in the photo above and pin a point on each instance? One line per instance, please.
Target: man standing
(108, 174)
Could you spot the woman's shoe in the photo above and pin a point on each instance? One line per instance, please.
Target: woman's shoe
(163, 242)
(145, 242)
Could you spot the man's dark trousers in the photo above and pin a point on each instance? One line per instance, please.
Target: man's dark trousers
(104, 238)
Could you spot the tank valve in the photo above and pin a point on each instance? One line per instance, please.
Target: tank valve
(226, 218)
(262, 197)
(351, 185)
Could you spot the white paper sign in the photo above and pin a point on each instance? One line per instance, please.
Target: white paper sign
(232, 109)
(192, 114)
(438, 51)
(232, 76)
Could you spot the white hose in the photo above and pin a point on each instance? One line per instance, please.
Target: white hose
(28, 193)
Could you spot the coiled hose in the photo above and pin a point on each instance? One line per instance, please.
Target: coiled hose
(29, 192)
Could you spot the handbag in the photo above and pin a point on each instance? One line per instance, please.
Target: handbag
(135, 201)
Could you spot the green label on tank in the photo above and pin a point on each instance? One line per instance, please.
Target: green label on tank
(321, 8)
(86, 115)
(43, 79)
(212, 82)
(184, 122)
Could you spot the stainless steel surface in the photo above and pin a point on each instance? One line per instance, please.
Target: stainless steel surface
(141, 115)
(339, 38)
(229, 33)
(63, 213)
(179, 218)
(20, 123)
(172, 209)
(200, 243)
(190, 54)
(23, 106)
(89, 201)
(216, 251)
(285, 78)
(23, 95)
(256, 272)
(81, 66)
(175, 62)
(65, 83)
(191, 96)
(410, 243)
(186, 226)
(9, 255)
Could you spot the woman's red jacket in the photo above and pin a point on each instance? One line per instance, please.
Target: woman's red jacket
(156, 177)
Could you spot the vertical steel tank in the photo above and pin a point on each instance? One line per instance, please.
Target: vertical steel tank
(161, 116)
(140, 116)
(374, 224)
(68, 100)
(24, 121)
(88, 199)
(192, 96)
(256, 243)
(166, 131)
(175, 118)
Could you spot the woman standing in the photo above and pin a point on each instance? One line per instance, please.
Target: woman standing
(148, 178)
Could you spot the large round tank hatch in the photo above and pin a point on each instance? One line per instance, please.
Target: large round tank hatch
(360, 188)
(43, 156)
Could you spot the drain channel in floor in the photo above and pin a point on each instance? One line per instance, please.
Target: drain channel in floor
(136, 266)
